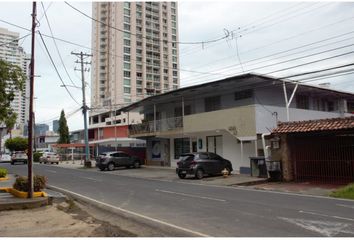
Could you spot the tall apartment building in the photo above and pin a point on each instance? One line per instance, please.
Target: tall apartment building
(13, 53)
(135, 51)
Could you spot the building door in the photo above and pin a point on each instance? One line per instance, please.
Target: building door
(214, 144)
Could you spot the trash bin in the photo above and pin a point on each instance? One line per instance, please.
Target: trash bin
(258, 167)
(274, 170)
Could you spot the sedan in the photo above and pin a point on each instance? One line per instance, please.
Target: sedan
(111, 160)
(19, 157)
(202, 163)
(5, 158)
(49, 157)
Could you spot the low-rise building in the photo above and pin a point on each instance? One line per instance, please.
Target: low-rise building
(228, 117)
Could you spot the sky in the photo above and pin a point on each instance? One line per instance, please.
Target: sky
(279, 39)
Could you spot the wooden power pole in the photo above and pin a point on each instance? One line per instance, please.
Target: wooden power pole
(31, 114)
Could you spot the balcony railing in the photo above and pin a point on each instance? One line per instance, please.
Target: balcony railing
(162, 125)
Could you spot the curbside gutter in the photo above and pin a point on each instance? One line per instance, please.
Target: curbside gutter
(167, 228)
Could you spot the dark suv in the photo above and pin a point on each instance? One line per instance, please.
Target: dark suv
(201, 163)
(111, 160)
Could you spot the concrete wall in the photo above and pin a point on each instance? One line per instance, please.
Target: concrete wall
(243, 118)
(265, 121)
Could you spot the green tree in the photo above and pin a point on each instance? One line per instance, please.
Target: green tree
(17, 144)
(12, 79)
(63, 129)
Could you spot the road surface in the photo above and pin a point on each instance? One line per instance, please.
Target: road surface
(207, 210)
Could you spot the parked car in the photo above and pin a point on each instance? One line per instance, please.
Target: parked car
(19, 157)
(111, 160)
(202, 163)
(5, 158)
(49, 157)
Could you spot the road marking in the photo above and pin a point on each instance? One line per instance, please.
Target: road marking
(191, 195)
(133, 213)
(325, 228)
(93, 179)
(51, 171)
(325, 215)
(347, 206)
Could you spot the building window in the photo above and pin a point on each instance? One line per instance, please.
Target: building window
(244, 94)
(127, 66)
(126, 81)
(302, 102)
(212, 103)
(126, 89)
(126, 27)
(126, 50)
(126, 35)
(126, 19)
(126, 11)
(126, 74)
(126, 42)
(181, 146)
(127, 58)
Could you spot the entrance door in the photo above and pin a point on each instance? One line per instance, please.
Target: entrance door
(214, 144)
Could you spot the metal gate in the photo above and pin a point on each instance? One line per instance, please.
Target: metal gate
(325, 159)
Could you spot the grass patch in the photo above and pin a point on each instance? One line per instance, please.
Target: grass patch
(344, 192)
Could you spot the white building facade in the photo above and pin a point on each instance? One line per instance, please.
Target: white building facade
(11, 52)
(228, 117)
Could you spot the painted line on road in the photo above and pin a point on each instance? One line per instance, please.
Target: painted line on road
(52, 171)
(93, 179)
(347, 206)
(190, 195)
(325, 215)
(133, 213)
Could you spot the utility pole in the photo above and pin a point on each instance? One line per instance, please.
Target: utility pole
(31, 114)
(81, 55)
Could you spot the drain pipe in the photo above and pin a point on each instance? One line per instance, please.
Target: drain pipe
(266, 150)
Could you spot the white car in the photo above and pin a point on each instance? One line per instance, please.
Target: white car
(19, 156)
(6, 158)
(49, 157)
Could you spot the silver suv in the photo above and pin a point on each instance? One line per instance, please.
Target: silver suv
(111, 160)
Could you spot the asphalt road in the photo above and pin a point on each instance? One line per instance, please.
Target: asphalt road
(208, 210)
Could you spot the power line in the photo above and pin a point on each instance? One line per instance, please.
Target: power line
(55, 67)
(140, 36)
(14, 40)
(56, 46)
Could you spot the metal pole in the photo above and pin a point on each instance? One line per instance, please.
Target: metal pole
(84, 107)
(31, 115)
(286, 102)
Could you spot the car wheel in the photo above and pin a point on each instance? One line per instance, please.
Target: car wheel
(136, 165)
(199, 174)
(102, 168)
(182, 175)
(57, 163)
(25, 162)
(12, 163)
(110, 167)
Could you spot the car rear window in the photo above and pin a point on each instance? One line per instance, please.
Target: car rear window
(186, 157)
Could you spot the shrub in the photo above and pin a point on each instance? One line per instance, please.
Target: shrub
(36, 156)
(344, 192)
(3, 172)
(21, 183)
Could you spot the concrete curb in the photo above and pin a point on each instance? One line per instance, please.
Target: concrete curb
(165, 228)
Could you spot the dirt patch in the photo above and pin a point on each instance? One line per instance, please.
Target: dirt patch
(58, 220)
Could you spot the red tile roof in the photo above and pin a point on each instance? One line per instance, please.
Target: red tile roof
(315, 125)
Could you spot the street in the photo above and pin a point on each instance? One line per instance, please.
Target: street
(207, 210)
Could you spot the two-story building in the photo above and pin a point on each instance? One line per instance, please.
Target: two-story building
(228, 117)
